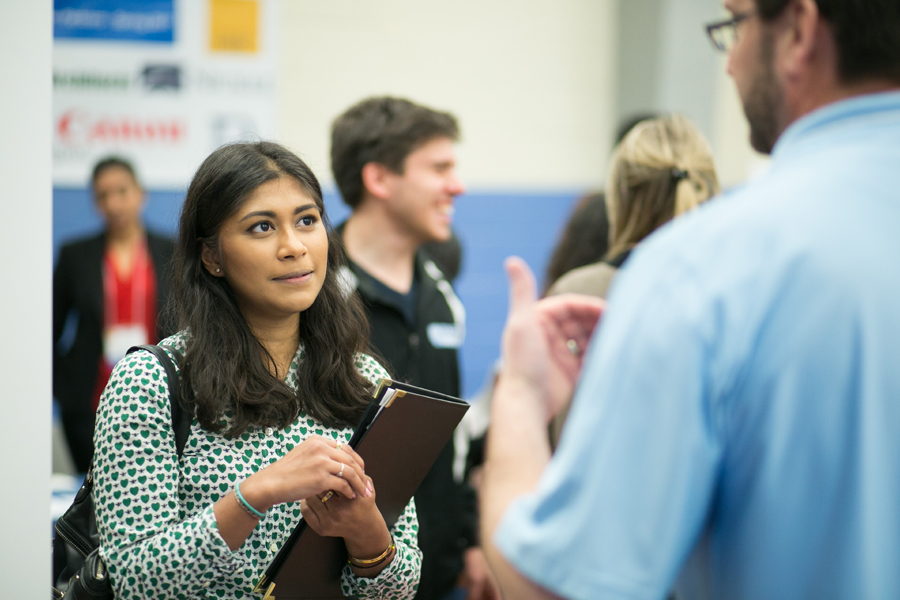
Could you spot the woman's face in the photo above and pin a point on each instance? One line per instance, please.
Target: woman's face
(273, 252)
(119, 199)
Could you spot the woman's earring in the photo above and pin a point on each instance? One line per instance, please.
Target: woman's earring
(218, 270)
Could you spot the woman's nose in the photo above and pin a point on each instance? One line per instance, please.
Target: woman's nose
(291, 244)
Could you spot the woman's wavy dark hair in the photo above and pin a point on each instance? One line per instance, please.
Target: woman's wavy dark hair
(225, 366)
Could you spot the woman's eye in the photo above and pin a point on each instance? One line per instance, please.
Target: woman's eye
(261, 227)
(307, 220)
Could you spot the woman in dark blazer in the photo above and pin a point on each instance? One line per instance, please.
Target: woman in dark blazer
(87, 280)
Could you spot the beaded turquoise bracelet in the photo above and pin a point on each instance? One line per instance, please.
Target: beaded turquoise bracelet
(246, 505)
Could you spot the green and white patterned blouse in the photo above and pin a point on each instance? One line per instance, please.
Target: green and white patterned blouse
(155, 517)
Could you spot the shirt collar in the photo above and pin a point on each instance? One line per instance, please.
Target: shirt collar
(842, 112)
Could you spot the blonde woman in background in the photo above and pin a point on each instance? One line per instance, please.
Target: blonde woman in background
(661, 169)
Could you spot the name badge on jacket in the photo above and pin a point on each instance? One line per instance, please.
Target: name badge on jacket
(445, 335)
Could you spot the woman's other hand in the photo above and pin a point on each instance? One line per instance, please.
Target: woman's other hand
(352, 519)
(358, 521)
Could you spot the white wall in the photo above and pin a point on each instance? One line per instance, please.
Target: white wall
(531, 81)
(539, 85)
(25, 44)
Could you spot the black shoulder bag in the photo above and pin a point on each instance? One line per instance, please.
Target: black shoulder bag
(84, 576)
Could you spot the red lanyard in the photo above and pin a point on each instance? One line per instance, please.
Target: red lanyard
(138, 283)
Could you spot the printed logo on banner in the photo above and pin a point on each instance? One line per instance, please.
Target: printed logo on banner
(161, 77)
(78, 126)
(91, 80)
(152, 77)
(233, 26)
(132, 20)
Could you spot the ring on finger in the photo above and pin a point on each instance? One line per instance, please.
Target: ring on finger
(341, 472)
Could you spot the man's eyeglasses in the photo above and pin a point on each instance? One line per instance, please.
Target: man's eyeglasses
(724, 33)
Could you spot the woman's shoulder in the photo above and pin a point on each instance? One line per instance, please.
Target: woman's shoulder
(593, 279)
(140, 378)
(370, 368)
(143, 360)
(176, 343)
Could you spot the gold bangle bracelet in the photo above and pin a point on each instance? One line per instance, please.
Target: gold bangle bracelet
(371, 562)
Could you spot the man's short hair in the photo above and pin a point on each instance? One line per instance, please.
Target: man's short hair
(867, 33)
(383, 130)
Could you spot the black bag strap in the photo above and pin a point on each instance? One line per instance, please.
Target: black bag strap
(181, 421)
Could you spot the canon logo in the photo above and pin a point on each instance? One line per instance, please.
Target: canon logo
(76, 127)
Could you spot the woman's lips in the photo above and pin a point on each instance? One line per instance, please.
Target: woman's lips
(295, 277)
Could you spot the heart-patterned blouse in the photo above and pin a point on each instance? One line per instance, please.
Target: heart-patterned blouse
(155, 517)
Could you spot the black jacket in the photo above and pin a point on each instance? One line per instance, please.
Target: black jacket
(78, 289)
(424, 353)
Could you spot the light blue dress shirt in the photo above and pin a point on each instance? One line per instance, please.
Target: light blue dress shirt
(736, 432)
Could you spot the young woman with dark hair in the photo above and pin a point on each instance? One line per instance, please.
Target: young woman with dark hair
(273, 369)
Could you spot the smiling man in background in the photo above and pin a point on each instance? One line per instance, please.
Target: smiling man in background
(394, 163)
(736, 428)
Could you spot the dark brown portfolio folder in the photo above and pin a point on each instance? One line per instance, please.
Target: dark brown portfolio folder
(399, 437)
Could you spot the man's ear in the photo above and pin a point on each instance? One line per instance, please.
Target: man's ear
(210, 259)
(799, 38)
(377, 180)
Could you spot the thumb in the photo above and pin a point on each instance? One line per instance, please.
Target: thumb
(522, 286)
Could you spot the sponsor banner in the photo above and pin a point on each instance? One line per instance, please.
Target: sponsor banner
(165, 107)
(142, 20)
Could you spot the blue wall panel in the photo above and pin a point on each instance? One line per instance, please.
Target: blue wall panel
(491, 226)
(74, 214)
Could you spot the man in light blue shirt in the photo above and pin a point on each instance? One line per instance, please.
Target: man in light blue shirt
(736, 429)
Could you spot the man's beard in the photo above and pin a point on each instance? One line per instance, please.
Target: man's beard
(764, 101)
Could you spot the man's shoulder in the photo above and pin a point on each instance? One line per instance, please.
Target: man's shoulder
(784, 234)
(758, 218)
(733, 247)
